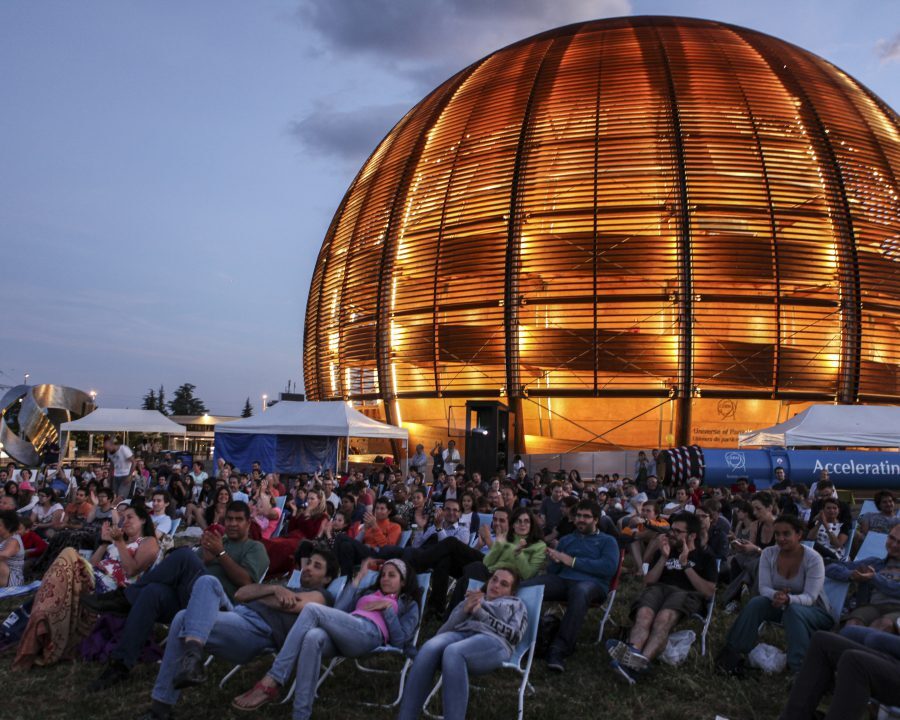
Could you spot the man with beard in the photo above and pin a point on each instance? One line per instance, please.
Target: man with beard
(580, 570)
(681, 578)
(210, 624)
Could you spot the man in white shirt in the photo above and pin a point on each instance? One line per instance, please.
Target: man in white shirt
(122, 461)
(451, 458)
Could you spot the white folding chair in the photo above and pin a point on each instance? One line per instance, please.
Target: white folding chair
(384, 650)
(873, 545)
(606, 607)
(335, 588)
(404, 538)
(706, 618)
(523, 654)
(868, 506)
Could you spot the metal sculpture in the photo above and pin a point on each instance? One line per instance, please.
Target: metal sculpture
(30, 416)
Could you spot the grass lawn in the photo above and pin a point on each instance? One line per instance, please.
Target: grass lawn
(588, 688)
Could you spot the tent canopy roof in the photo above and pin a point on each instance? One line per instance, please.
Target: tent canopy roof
(330, 418)
(827, 425)
(124, 420)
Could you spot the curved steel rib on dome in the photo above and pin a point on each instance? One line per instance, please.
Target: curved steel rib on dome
(30, 416)
(624, 213)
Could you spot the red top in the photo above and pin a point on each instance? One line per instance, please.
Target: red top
(306, 527)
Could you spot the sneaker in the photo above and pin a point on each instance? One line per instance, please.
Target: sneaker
(626, 655)
(733, 607)
(621, 673)
(191, 671)
(555, 662)
(114, 673)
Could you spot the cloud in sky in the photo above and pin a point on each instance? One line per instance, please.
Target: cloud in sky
(424, 42)
(412, 31)
(888, 50)
(349, 135)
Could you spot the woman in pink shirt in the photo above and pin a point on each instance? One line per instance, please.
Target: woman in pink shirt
(383, 613)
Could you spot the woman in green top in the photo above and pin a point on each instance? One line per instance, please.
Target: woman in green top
(525, 550)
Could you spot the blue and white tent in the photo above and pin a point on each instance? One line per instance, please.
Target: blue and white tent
(294, 437)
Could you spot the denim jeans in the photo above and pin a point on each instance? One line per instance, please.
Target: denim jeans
(800, 622)
(235, 635)
(855, 671)
(876, 640)
(319, 632)
(156, 597)
(456, 654)
(578, 596)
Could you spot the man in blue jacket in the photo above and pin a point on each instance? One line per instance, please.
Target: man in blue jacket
(581, 568)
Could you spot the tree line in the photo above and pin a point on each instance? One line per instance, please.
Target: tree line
(183, 402)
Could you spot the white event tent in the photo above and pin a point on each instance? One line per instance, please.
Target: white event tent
(298, 436)
(124, 420)
(833, 426)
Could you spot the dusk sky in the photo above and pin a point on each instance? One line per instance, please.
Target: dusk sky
(168, 170)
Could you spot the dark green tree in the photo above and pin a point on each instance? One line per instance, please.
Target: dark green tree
(150, 401)
(183, 402)
(248, 409)
(161, 401)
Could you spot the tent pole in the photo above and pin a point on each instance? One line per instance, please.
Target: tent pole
(347, 455)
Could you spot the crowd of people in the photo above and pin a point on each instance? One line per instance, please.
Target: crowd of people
(100, 539)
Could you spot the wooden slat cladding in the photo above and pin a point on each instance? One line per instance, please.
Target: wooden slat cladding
(672, 205)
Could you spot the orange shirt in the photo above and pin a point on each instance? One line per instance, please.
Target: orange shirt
(382, 533)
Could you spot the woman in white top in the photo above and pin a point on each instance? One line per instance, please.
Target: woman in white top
(791, 591)
(47, 514)
(12, 551)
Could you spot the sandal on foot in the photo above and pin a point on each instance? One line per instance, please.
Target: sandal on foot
(263, 694)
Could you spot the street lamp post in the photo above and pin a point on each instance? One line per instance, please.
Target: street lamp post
(93, 394)
(27, 375)
(264, 400)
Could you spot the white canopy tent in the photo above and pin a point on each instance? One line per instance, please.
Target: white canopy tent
(124, 420)
(330, 418)
(833, 425)
(291, 434)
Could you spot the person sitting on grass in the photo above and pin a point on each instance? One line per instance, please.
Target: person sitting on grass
(47, 515)
(478, 637)
(791, 591)
(877, 586)
(362, 620)
(210, 625)
(159, 503)
(12, 550)
(681, 579)
(60, 618)
(235, 561)
(860, 665)
(581, 568)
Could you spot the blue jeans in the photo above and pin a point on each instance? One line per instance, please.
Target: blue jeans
(876, 640)
(236, 635)
(319, 632)
(457, 654)
(800, 622)
(578, 596)
(156, 597)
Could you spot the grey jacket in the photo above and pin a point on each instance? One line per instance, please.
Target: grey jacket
(505, 618)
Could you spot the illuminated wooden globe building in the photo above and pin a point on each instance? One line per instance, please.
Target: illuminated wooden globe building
(632, 232)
